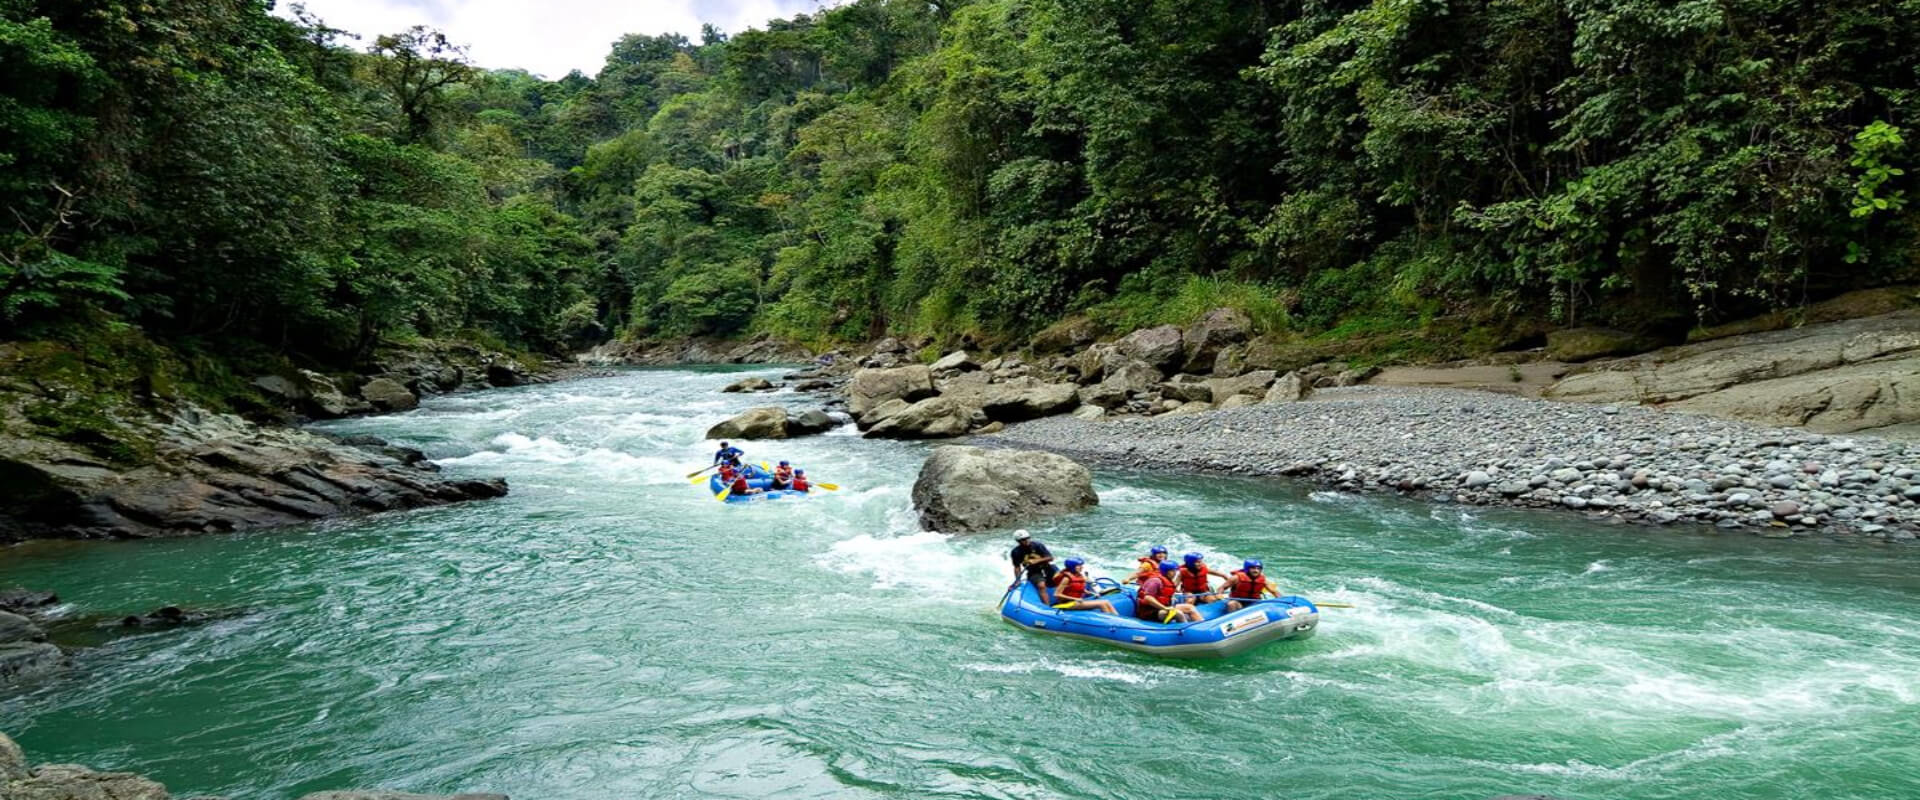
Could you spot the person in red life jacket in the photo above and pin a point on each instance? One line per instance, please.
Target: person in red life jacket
(1248, 585)
(1195, 578)
(727, 474)
(800, 483)
(1149, 565)
(1154, 603)
(1070, 590)
(740, 486)
(782, 476)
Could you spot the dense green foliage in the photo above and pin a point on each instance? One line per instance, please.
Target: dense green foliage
(958, 168)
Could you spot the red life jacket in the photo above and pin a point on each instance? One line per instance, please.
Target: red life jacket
(1073, 585)
(1247, 587)
(726, 474)
(1148, 568)
(783, 474)
(1193, 582)
(740, 485)
(800, 484)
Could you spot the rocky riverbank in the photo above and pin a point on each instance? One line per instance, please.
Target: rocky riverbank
(1631, 464)
(20, 780)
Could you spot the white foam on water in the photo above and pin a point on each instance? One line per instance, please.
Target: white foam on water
(1089, 671)
(1597, 567)
(925, 563)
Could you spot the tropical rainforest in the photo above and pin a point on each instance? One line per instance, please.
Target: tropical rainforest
(226, 180)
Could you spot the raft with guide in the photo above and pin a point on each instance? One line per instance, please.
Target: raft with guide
(758, 478)
(1219, 634)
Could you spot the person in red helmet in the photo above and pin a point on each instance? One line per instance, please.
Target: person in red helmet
(800, 483)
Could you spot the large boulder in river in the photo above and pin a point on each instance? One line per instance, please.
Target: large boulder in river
(1214, 332)
(964, 489)
(748, 385)
(872, 387)
(388, 394)
(1161, 347)
(770, 422)
(932, 418)
(21, 661)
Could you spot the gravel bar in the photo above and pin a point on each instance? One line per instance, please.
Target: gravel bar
(1628, 463)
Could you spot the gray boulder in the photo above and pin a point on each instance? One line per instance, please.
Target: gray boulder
(1090, 365)
(810, 422)
(1240, 400)
(1089, 412)
(1161, 347)
(965, 489)
(21, 661)
(1253, 383)
(768, 422)
(1133, 376)
(1192, 407)
(872, 387)
(932, 418)
(748, 385)
(881, 412)
(1026, 398)
(16, 628)
(956, 361)
(287, 390)
(1289, 388)
(1187, 389)
(1219, 329)
(501, 375)
(1068, 334)
(325, 400)
(387, 394)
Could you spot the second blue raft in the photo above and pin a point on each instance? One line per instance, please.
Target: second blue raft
(758, 479)
(1223, 633)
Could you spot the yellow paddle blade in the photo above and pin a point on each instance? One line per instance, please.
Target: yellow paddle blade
(1063, 606)
(697, 479)
(722, 496)
(831, 487)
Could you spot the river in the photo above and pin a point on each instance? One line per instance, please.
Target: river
(610, 631)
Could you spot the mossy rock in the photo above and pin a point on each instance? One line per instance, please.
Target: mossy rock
(1068, 334)
(1586, 344)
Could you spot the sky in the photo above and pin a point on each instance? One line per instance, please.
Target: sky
(546, 37)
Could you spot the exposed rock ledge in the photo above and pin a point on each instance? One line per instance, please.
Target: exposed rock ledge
(1860, 375)
(694, 351)
(185, 471)
(20, 781)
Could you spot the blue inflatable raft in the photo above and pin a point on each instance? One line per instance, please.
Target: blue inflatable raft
(758, 479)
(1219, 635)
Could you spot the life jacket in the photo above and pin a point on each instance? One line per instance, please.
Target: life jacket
(740, 485)
(726, 473)
(1148, 568)
(1159, 589)
(1072, 585)
(801, 485)
(783, 474)
(1247, 587)
(1193, 582)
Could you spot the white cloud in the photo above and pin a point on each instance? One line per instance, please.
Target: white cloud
(547, 37)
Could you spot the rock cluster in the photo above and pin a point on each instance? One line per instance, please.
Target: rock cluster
(772, 422)
(395, 380)
(965, 489)
(209, 472)
(21, 781)
(694, 351)
(1617, 463)
(24, 651)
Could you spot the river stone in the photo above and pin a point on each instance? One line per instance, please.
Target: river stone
(21, 600)
(1784, 509)
(325, 399)
(768, 422)
(1068, 334)
(932, 418)
(1216, 330)
(1477, 479)
(1089, 412)
(21, 661)
(1240, 400)
(810, 422)
(1253, 383)
(16, 628)
(1289, 388)
(748, 385)
(281, 387)
(1025, 398)
(1187, 388)
(1193, 407)
(1160, 347)
(956, 361)
(388, 394)
(966, 489)
(872, 387)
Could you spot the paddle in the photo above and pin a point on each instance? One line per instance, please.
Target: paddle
(831, 487)
(694, 477)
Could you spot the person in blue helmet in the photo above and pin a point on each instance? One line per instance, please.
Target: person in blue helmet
(1248, 585)
(1149, 564)
(1195, 579)
(728, 454)
(1155, 600)
(783, 476)
(1070, 589)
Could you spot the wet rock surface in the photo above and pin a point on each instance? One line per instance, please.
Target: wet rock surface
(964, 489)
(1627, 463)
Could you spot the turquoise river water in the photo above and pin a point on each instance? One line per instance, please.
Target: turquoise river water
(609, 631)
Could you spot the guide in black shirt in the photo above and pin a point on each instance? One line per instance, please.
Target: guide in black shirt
(1035, 559)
